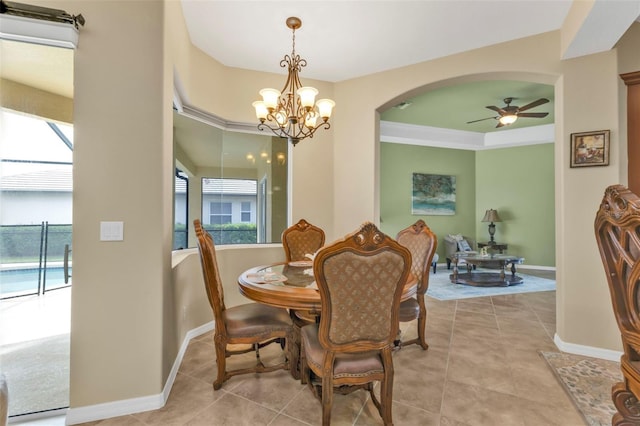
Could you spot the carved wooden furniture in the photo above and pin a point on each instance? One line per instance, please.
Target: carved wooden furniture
(301, 239)
(297, 296)
(298, 293)
(617, 229)
(255, 324)
(422, 244)
(486, 279)
(361, 280)
(632, 81)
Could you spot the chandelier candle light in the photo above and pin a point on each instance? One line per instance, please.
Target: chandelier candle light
(491, 216)
(290, 113)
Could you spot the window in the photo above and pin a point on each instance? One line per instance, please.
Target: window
(181, 210)
(227, 204)
(224, 170)
(245, 211)
(220, 213)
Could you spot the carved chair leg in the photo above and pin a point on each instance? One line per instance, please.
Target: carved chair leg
(421, 330)
(397, 344)
(386, 390)
(304, 368)
(422, 324)
(221, 363)
(327, 398)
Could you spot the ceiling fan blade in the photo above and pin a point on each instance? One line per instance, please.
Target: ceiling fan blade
(533, 114)
(496, 109)
(534, 104)
(482, 119)
(499, 124)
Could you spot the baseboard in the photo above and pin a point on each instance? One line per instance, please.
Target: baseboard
(590, 351)
(135, 405)
(183, 348)
(537, 267)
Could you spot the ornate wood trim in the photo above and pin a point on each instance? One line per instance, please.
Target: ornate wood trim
(631, 78)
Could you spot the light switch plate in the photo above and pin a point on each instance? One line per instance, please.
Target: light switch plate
(111, 231)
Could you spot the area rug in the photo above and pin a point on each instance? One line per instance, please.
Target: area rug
(441, 287)
(588, 382)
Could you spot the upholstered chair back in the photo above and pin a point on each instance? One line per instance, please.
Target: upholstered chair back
(422, 243)
(251, 326)
(301, 239)
(211, 274)
(361, 280)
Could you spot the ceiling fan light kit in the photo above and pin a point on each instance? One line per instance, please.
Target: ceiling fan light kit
(290, 113)
(505, 120)
(508, 114)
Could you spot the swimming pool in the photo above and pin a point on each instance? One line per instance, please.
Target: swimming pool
(20, 282)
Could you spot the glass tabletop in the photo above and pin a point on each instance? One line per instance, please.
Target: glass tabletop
(293, 274)
(509, 258)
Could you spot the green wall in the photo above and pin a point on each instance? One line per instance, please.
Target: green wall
(518, 182)
(398, 163)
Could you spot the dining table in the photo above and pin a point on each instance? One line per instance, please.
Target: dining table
(291, 285)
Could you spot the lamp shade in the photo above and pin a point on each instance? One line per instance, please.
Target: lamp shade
(491, 216)
(307, 96)
(325, 106)
(270, 97)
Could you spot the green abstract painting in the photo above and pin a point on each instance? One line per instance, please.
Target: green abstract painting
(433, 195)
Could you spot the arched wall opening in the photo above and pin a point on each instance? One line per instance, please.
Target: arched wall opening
(500, 177)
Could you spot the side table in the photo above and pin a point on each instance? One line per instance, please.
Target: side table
(495, 246)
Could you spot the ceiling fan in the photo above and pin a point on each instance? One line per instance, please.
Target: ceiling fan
(510, 113)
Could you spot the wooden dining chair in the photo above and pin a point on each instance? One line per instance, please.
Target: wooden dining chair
(301, 239)
(422, 243)
(360, 280)
(255, 324)
(617, 228)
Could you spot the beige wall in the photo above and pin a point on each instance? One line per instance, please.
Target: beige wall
(19, 97)
(355, 149)
(121, 307)
(355, 133)
(124, 307)
(589, 102)
(189, 297)
(228, 93)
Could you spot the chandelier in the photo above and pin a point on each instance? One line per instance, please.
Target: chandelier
(291, 113)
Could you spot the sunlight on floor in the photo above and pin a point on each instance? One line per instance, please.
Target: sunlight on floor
(35, 317)
(26, 321)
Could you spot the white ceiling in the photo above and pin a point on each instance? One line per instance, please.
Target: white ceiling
(350, 38)
(347, 39)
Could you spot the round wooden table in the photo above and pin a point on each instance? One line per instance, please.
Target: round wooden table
(282, 285)
(292, 286)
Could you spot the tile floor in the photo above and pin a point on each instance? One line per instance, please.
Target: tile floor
(483, 367)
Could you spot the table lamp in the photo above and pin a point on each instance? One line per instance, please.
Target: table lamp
(491, 216)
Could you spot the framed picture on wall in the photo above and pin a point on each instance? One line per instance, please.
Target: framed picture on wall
(433, 194)
(590, 149)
